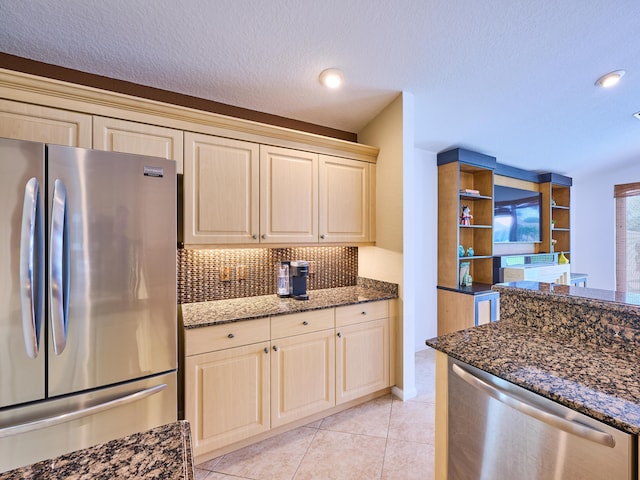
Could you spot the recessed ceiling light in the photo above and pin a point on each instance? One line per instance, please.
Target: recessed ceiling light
(331, 77)
(610, 79)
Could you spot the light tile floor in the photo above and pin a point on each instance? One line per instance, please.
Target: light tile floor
(384, 439)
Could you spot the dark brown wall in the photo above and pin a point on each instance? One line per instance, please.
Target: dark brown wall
(47, 70)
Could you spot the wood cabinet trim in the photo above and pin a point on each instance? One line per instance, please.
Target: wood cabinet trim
(67, 96)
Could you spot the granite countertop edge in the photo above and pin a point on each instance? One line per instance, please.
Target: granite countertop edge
(218, 312)
(161, 452)
(570, 295)
(600, 383)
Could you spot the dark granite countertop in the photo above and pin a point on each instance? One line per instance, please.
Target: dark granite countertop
(579, 350)
(202, 314)
(623, 299)
(161, 453)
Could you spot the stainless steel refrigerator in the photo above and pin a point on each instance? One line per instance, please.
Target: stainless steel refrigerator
(87, 298)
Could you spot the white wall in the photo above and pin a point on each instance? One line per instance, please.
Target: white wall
(391, 131)
(423, 195)
(593, 222)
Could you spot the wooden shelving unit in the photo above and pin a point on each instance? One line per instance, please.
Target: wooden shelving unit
(556, 217)
(458, 169)
(465, 306)
(452, 178)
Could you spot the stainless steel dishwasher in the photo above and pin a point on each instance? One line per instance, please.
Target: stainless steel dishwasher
(499, 431)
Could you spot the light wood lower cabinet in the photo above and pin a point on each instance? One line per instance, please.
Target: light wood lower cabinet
(227, 383)
(362, 350)
(302, 376)
(245, 378)
(302, 365)
(457, 310)
(227, 395)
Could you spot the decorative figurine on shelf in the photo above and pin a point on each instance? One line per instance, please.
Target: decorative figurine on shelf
(460, 251)
(470, 252)
(562, 260)
(465, 216)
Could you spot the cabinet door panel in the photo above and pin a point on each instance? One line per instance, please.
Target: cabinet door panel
(227, 395)
(221, 182)
(362, 359)
(344, 200)
(23, 121)
(123, 136)
(302, 376)
(288, 196)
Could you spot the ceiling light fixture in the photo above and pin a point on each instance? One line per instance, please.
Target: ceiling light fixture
(610, 79)
(331, 78)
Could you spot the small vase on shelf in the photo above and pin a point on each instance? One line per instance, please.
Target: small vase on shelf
(562, 260)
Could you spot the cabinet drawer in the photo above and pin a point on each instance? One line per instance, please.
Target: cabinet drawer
(299, 323)
(227, 335)
(361, 312)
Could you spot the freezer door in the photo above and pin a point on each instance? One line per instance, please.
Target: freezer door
(112, 257)
(22, 356)
(54, 427)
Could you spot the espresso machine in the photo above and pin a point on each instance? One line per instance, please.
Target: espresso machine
(298, 273)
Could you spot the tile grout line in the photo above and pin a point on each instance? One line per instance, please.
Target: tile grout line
(317, 429)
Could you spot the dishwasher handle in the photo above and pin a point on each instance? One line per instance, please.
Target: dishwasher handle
(575, 428)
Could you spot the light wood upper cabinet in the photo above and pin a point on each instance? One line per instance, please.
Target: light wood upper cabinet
(123, 136)
(221, 190)
(288, 195)
(23, 121)
(345, 200)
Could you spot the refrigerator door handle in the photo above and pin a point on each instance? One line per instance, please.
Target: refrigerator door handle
(566, 425)
(76, 414)
(59, 268)
(31, 275)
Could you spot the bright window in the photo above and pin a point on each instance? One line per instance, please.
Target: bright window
(627, 237)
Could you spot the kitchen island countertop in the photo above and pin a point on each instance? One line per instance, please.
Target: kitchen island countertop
(159, 453)
(580, 352)
(202, 314)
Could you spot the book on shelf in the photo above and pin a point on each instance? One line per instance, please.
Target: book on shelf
(469, 191)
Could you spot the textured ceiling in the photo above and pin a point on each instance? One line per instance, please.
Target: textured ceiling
(509, 78)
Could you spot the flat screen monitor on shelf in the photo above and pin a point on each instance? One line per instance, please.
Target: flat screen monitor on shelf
(516, 215)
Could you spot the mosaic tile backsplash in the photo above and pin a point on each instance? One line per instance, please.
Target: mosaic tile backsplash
(252, 272)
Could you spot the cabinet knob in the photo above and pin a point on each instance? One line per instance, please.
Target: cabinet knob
(364, 313)
(305, 323)
(339, 335)
(275, 348)
(254, 236)
(231, 335)
(266, 350)
(322, 237)
(264, 236)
